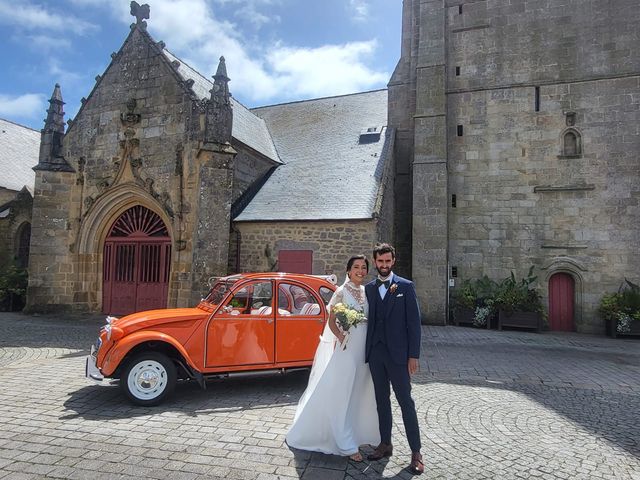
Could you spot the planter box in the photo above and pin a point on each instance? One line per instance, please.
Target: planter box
(612, 331)
(465, 316)
(520, 320)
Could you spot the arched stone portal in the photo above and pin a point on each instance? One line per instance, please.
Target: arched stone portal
(136, 263)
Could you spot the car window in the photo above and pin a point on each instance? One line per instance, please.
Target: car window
(326, 294)
(252, 299)
(303, 301)
(285, 302)
(218, 291)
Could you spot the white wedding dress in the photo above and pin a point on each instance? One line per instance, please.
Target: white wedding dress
(337, 412)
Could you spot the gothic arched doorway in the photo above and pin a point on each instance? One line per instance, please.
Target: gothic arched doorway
(137, 260)
(561, 302)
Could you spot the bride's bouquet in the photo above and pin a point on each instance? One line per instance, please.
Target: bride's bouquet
(348, 317)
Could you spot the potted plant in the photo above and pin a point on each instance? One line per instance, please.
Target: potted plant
(621, 310)
(518, 303)
(473, 302)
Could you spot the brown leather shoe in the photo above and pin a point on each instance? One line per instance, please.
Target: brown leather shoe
(381, 451)
(416, 466)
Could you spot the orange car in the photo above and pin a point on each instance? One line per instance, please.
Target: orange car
(247, 322)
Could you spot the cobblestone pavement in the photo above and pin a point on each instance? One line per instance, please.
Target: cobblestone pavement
(494, 405)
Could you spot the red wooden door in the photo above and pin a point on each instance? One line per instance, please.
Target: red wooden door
(295, 261)
(137, 255)
(561, 302)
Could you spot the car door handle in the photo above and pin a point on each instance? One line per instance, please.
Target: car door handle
(270, 320)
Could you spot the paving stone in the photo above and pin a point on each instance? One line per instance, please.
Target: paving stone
(491, 405)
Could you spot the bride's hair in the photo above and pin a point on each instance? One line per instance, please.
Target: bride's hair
(354, 258)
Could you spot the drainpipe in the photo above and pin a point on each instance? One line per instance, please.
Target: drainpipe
(238, 240)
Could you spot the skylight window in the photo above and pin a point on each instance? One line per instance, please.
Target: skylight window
(370, 135)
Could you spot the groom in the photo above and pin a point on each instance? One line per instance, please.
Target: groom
(392, 351)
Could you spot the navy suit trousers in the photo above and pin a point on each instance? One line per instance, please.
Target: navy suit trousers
(384, 371)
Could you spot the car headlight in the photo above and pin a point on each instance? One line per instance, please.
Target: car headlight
(113, 332)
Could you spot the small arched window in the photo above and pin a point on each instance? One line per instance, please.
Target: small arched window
(571, 144)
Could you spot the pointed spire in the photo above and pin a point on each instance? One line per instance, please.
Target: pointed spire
(219, 112)
(55, 114)
(51, 136)
(221, 73)
(220, 88)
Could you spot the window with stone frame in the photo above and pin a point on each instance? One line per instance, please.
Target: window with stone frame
(571, 144)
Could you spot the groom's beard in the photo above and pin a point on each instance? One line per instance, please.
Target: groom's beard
(383, 271)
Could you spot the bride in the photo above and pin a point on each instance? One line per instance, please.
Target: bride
(337, 412)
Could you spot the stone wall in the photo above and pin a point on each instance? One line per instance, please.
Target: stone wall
(521, 202)
(332, 243)
(429, 233)
(6, 195)
(496, 87)
(520, 75)
(51, 270)
(401, 108)
(10, 226)
(500, 43)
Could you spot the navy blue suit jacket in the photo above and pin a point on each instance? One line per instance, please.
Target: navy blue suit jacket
(401, 319)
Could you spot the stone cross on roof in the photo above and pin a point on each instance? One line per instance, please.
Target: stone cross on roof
(140, 11)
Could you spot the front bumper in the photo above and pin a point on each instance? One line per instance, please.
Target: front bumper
(91, 370)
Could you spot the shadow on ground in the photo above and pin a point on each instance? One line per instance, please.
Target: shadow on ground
(610, 416)
(100, 402)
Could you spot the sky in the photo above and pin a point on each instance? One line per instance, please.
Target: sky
(276, 50)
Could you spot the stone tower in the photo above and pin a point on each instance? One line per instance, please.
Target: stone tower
(50, 218)
(517, 122)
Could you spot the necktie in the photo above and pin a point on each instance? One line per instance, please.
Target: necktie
(380, 282)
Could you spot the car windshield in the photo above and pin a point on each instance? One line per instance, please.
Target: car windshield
(219, 290)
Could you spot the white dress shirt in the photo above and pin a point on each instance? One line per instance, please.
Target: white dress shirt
(382, 289)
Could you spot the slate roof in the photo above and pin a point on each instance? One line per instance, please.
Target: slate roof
(19, 150)
(247, 127)
(328, 174)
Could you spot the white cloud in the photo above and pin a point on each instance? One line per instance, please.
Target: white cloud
(326, 70)
(62, 76)
(360, 9)
(47, 43)
(35, 17)
(259, 71)
(249, 10)
(28, 105)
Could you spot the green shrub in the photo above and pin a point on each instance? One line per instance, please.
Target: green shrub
(474, 293)
(13, 286)
(625, 303)
(514, 295)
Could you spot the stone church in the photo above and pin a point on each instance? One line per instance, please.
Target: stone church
(508, 137)
(163, 180)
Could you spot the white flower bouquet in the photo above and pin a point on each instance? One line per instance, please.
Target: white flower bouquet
(347, 318)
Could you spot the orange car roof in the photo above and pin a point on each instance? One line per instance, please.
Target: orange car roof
(332, 279)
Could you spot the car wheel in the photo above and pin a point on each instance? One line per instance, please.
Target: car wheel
(148, 378)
